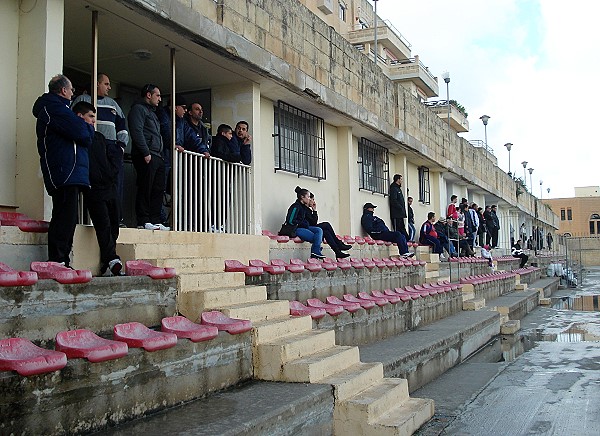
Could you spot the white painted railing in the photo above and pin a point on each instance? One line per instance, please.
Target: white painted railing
(211, 195)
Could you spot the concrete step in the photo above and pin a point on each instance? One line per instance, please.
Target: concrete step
(212, 280)
(430, 275)
(430, 257)
(474, 304)
(354, 379)
(159, 250)
(192, 302)
(316, 367)
(187, 265)
(284, 350)
(12, 235)
(257, 311)
(404, 419)
(432, 266)
(272, 329)
(375, 401)
(423, 250)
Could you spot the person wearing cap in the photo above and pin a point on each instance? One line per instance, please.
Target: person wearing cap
(397, 206)
(429, 236)
(377, 229)
(443, 235)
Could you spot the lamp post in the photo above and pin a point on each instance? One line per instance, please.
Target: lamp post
(485, 119)
(524, 163)
(446, 77)
(530, 182)
(508, 146)
(548, 191)
(375, 36)
(541, 190)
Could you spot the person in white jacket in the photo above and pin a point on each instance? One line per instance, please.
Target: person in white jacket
(486, 253)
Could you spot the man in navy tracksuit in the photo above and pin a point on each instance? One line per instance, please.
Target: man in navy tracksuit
(63, 142)
(377, 229)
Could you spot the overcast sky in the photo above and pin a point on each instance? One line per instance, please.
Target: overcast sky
(531, 65)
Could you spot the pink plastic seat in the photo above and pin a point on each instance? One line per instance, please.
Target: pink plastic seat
(403, 297)
(21, 355)
(232, 326)
(237, 266)
(391, 298)
(273, 236)
(297, 240)
(422, 289)
(88, 345)
(310, 266)
(23, 222)
(348, 239)
(350, 307)
(343, 264)
(271, 269)
(137, 335)
(412, 295)
(11, 277)
(370, 240)
(293, 268)
(377, 300)
(331, 309)
(357, 263)
(413, 290)
(359, 240)
(144, 268)
(186, 329)
(368, 263)
(379, 263)
(328, 266)
(365, 304)
(299, 309)
(60, 273)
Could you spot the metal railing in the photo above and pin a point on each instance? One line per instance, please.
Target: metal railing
(211, 195)
(481, 144)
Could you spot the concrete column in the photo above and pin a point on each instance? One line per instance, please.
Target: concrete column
(348, 170)
(40, 57)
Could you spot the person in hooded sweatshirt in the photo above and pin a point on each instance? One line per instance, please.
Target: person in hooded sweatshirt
(63, 142)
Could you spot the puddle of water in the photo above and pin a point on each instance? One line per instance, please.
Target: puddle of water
(588, 303)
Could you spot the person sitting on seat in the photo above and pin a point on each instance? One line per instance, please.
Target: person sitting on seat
(487, 254)
(443, 233)
(377, 229)
(328, 233)
(429, 236)
(298, 217)
(517, 251)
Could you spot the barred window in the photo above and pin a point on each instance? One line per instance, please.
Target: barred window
(373, 166)
(562, 215)
(569, 214)
(299, 142)
(424, 190)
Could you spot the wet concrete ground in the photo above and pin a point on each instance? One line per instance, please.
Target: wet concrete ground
(543, 381)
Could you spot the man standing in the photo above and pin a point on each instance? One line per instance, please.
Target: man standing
(193, 117)
(452, 213)
(243, 139)
(397, 206)
(377, 229)
(489, 223)
(475, 220)
(496, 227)
(411, 220)
(110, 121)
(147, 157)
(63, 142)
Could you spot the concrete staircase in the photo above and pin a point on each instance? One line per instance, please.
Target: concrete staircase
(285, 348)
(432, 268)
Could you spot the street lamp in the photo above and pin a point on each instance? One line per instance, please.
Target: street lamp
(508, 146)
(530, 183)
(541, 190)
(485, 119)
(524, 163)
(375, 39)
(548, 191)
(446, 77)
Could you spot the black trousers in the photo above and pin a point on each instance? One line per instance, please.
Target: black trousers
(494, 238)
(150, 180)
(398, 226)
(62, 223)
(523, 258)
(329, 236)
(105, 217)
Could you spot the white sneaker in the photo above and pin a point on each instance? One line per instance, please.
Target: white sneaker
(150, 226)
(407, 254)
(162, 227)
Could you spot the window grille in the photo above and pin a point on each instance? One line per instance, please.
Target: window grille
(342, 11)
(299, 142)
(424, 189)
(562, 214)
(373, 166)
(569, 214)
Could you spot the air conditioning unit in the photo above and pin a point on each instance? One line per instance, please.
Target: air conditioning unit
(325, 6)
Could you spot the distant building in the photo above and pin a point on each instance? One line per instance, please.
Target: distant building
(579, 215)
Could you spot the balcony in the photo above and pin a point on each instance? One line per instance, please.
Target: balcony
(387, 36)
(458, 122)
(413, 70)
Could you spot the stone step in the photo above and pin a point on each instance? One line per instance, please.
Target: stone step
(192, 303)
(430, 275)
(12, 235)
(430, 257)
(266, 331)
(354, 379)
(432, 266)
(375, 401)
(257, 311)
(474, 304)
(404, 419)
(314, 368)
(423, 250)
(284, 350)
(186, 265)
(211, 280)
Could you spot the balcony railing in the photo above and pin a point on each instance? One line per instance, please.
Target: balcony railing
(478, 143)
(458, 121)
(211, 195)
(387, 35)
(413, 69)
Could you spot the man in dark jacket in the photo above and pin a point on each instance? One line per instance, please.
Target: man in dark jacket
(411, 220)
(228, 148)
(496, 227)
(377, 229)
(398, 206)
(63, 142)
(101, 199)
(193, 117)
(147, 157)
(489, 224)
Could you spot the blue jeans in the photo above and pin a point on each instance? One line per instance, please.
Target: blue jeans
(311, 234)
(411, 231)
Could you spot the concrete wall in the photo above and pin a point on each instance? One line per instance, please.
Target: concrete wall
(585, 249)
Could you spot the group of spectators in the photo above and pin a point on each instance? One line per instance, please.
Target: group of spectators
(76, 158)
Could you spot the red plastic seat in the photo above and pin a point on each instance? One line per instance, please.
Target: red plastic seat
(88, 345)
(350, 307)
(21, 355)
(370, 240)
(328, 266)
(391, 298)
(297, 240)
(343, 264)
(232, 326)
(389, 262)
(137, 335)
(368, 263)
(331, 309)
(237, 266)
(299, 309)
(273, 236)
(359, 240)
(379, 263)
(413, 290)
(348, 239)
(403, 297)
(311, 266)
(271, 269)
(357, 263)
(377, 300)
(145, 268)
(412, 295)
(365, 304)
(186, 329)
(293, 268)
(60, 273)
(11, 277)
(422, 289)
(23, 222)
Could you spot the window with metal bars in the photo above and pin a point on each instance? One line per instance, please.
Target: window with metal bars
(424, 189)
(373, 166)
(299, 142)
